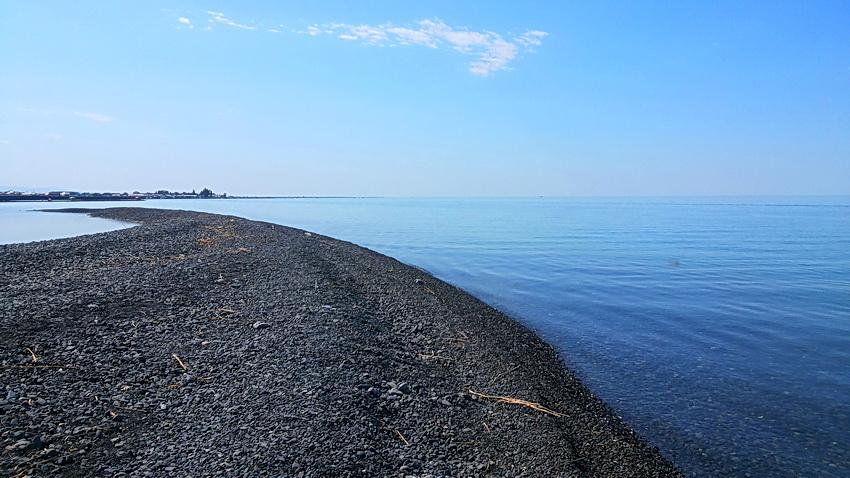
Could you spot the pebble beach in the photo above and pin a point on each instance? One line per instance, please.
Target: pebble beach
(197, 344)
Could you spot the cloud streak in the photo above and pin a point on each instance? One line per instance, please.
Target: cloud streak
(531, 38)
(96, 117)
(492, 52)
(221, 19)
(51, 114)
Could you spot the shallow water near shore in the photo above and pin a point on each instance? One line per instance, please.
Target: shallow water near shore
(18, 223)
(718, 327)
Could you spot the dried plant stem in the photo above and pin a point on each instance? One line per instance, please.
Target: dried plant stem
(517, 401)
(180, 362)
(407, 443)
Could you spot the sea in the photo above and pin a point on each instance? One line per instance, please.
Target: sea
(717, 327)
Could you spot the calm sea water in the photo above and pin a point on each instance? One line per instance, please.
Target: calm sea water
(18, 223)
(719, 328)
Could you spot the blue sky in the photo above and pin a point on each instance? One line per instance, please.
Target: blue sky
(427, 98)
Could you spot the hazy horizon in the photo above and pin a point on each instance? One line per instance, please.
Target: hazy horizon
(492, 196)
(427, 100)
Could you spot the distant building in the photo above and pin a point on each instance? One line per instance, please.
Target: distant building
(205, 193)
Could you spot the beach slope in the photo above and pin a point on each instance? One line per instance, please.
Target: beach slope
(207, 345)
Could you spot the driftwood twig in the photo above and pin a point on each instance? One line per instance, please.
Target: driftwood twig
(407, 443)
(180, 362)
(517, 401)
(434, 357)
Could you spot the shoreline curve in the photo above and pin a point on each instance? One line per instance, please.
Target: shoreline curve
(201, 344)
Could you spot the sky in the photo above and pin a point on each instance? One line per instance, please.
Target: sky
(428, 98)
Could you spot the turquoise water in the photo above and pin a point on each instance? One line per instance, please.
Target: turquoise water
(719, 328)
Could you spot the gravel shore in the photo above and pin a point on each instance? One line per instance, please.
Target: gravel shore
(207, 345)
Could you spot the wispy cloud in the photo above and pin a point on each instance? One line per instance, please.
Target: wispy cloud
(493, 52)
(532, 38)
(52, 114)
(96, 117)
(313, 30)
(5, 141)
(221, 19)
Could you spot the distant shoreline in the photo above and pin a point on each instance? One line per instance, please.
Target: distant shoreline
(52, 198)
(44, 198)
